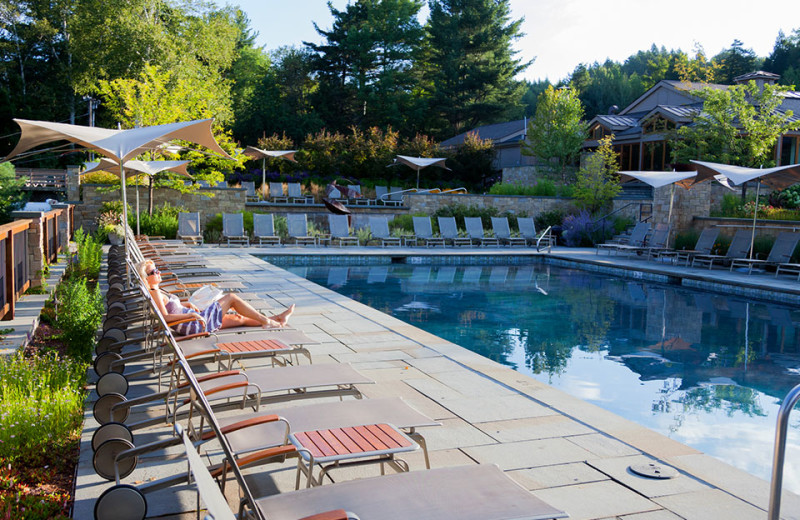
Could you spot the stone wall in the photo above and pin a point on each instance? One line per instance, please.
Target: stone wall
(686, 205)
(224, 200)
(729, 226)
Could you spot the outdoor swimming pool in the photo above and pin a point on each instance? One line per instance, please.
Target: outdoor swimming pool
(704, 369)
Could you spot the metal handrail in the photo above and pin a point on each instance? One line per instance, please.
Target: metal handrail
(437, 191)
(546, 234)
(782, 426)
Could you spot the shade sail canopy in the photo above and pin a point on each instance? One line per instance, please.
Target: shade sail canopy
(258, 153)
(418, 163)
(134, 167)
(120, 145)
(777, 178)
(656, 179)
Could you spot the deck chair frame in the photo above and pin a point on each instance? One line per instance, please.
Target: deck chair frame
(264, 230)
(233, 229)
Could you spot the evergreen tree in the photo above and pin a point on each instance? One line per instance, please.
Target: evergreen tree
(469, 63)
(785, 58)
(364, 66)
(734, 62)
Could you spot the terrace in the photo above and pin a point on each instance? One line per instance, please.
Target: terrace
(570, 453)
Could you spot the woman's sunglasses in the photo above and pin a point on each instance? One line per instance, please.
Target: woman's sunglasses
(154, 271)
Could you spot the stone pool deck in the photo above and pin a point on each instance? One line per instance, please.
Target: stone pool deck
(569, 453)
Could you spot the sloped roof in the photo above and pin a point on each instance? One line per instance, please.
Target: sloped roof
(498, 132)
(759, 74)
(615, 122)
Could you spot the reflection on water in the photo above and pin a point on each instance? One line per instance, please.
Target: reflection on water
(707, 370)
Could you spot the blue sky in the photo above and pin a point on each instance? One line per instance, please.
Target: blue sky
(560, 34)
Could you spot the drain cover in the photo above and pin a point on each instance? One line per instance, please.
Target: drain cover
(654, 471)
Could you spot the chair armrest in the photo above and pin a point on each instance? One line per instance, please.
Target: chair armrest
(338, 514)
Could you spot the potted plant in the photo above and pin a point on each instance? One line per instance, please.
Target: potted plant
(110, 223)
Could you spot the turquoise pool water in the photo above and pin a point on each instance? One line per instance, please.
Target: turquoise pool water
(706, 370)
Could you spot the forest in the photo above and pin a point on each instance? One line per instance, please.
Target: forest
(143, 62)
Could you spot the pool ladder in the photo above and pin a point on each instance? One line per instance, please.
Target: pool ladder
(780, 453)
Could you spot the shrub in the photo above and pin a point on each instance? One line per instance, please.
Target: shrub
(540, 188)
(578, 229)
(86, 262)
(686, 240)
(78, 315)
(403, 223)
(100, 177)
(546, 219)
(459, 211)
(597, 182)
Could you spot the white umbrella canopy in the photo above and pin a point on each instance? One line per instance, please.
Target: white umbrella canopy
(657, 180)
(777, 178)
(258, 153)
(418, 163)
(134, 167)
(120, 145)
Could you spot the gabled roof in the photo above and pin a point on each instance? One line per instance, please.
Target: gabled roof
(685, 88)
(615, 123)
(676, 114)
(499, 133)
(759, 74)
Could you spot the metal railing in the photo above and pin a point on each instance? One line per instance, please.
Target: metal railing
(43, 179)
(776, 486)
(546, 236)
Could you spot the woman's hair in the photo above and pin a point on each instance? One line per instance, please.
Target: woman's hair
(141, 268)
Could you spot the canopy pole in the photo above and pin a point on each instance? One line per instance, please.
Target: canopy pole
(669, 215)
(418, 169)
(263, 173)
(137, 209)
(755, 216)
(125, 222)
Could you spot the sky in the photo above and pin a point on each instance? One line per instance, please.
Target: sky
(561, 34)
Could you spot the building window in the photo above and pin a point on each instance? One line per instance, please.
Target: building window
(628, 156)
(656, 156)
(657, 125)
(790, 150)
(597, 132)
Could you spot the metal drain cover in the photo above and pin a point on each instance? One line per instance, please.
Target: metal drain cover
(652, 470)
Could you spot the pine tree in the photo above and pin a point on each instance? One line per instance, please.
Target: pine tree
(469, 63)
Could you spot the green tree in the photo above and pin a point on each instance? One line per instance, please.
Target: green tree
(734, 62)
(785, 58)
(738, 125)
(470, 65)
(597, 182)
(364, 65)
(11, 194)
(472, 161)
(601, 86)
(557, 131)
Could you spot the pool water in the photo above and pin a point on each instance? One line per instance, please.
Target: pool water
(704, 369)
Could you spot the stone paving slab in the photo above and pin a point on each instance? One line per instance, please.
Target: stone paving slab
(573, 454)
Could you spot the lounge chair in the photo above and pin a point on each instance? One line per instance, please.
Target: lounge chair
(503, 233)
(703, 246)
(382, 196)
(739, 248)
(396, 196)
(449, 231)
(276, 192)
(221, 184)
(474, 227)
(250, 191)
(340, 230)
(379, 226)
(295, 192)
(297, 225)
(189, 228)
(636, 239)
(656, 242)
(203, 184)
(423, 231)
(477, 492)
(264, 230)
(360, 200)
(527, 229)
(781, 253)
(233, 229)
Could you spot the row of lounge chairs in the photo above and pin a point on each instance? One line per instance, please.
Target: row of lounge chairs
(233, 231)
(737, 256)
(207, 410)
(293, 194)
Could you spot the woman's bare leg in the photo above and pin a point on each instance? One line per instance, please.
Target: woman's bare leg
(237, 320)
(233, 302)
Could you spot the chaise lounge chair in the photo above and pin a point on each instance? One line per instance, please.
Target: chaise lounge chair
(781, 253)
(276, 193)
(635, 240)
(250, 191)
(295, 193)
(233, 229)
(423, 231)
(527, 229)
(474, 227)
(703, 246)
(739, 248)
(379, 226)
(297, 225)
(449, 231)
(264, 230)
(189, 228)
(340, 230)
(503, 233)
